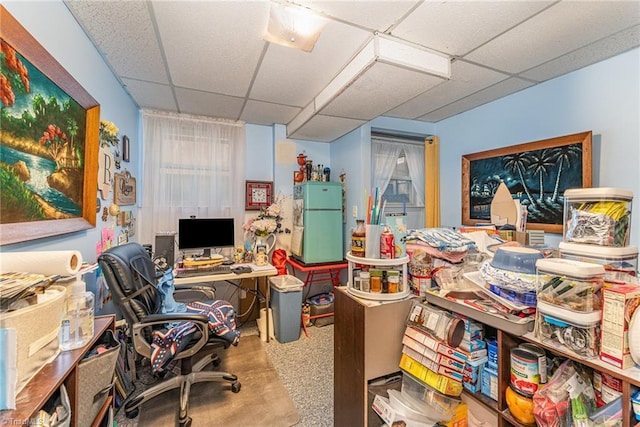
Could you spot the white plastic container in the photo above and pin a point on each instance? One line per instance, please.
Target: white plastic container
(576, 332)
(620, 264)
(597, 216)
(570, 285)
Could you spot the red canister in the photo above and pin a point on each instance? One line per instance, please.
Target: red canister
(387, 244)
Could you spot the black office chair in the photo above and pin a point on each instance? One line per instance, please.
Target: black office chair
(130, 274)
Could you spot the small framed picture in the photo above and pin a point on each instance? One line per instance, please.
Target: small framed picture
(258, 195)
(125, 148)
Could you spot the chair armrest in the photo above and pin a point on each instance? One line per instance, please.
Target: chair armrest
(143, 346)
(188, 293)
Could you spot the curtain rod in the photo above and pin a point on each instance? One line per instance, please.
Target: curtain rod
(182, 116)
(406, 136)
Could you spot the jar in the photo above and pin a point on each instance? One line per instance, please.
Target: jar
(375, 281)
(358, 239)
(365, 285)
(393, 284)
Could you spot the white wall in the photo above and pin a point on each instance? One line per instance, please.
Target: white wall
(603, 98)
(53, 26)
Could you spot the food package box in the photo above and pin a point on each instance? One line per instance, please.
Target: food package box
(490, 383)
(476, 354)
(492, 361)
(383, 408)
(618, 305)
(37, 327)
(440, 383)
(597, 216)
(472, 345)
(434, 344)
(432, 360)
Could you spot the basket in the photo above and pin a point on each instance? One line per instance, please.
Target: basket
(37, 327)
(96, 378)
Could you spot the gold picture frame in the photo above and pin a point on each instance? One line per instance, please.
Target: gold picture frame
(558, 163)
(82, 151)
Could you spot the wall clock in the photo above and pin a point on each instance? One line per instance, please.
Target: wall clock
(258, 195)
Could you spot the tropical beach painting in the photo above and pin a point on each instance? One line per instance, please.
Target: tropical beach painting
(536, 174)
(46, 146)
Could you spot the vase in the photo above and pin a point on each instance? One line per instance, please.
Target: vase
(262, 247)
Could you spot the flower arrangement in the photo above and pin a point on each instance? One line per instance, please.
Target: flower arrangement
(109, 132)
(268, 221)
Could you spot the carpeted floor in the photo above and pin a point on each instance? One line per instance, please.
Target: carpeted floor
(304, 367)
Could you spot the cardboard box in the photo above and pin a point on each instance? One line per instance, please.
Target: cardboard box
(490, 383)
(439, 382)
(618, 305)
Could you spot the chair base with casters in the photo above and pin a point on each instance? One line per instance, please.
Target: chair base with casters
(130, 275)
(188, 375)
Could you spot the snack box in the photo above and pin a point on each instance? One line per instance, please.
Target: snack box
(492, 361)
(434, 344)
(569, 284)
(619, 303)
(472, 374)
(438, 382)
(472, 345)
(597, 216)
(489, 381)
(620, 264)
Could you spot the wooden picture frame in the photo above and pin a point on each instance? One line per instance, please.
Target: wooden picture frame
(559, 163)
(72, 129)
(258, 195)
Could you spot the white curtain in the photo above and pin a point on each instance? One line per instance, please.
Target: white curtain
(191, 166)
(414, 154)
(385, 157)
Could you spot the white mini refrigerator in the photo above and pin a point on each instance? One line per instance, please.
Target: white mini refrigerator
(317, 213)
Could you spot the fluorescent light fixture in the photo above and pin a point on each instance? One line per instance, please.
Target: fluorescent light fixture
(293, 26)
(384, 49)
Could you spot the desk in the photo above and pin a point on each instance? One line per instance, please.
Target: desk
(261, 272)
(325, 272)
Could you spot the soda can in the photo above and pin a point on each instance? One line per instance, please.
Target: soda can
(387, 244)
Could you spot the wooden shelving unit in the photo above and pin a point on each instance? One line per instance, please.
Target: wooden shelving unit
(63, 370)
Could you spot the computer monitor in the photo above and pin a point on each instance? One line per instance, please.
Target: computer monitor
(205, 233)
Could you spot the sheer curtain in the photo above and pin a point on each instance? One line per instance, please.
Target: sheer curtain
(191, 166)
(414, 155)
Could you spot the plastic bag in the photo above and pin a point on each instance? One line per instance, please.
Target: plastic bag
(279, 261)
(567, 400)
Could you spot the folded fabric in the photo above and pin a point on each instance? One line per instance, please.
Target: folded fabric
(167, 343)
(452, 257)
(443, 239)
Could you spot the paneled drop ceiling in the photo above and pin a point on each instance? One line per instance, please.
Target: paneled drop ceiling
(209, 57)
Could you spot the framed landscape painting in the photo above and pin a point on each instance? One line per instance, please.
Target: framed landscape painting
(48, 142)
(536, 173)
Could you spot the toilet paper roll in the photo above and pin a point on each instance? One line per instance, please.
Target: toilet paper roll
(63, 263)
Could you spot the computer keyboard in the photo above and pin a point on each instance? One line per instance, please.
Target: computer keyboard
(203, 271)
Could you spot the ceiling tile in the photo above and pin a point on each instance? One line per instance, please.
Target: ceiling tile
(598, 51)
(556, 31)
(292, 77)
(266, 113)
(457, 27)
(212, 46)
(208, 104)
(503, 88)
(465, 79)
(375, 15)
(379, 89)
(326, 128)
(151, 95)
(109, 23)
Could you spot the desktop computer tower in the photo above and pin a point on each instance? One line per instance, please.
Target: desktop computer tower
(165, 247)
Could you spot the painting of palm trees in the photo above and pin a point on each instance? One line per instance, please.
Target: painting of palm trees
(536, 174)
(47, 142)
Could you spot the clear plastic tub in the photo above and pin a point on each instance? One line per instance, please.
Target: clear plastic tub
(572, 285)
(580, 338)
(527, 298)
(440, 404)
(597, 216)
(620, 264)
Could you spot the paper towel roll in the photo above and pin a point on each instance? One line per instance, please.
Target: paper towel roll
(42, 262)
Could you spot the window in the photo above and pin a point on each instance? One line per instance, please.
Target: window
(397, 167)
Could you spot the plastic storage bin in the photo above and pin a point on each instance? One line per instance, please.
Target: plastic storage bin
(440, 406)
(579, 333)
(286, 303)
(620, 264)
(572, 285)
(597, 216)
